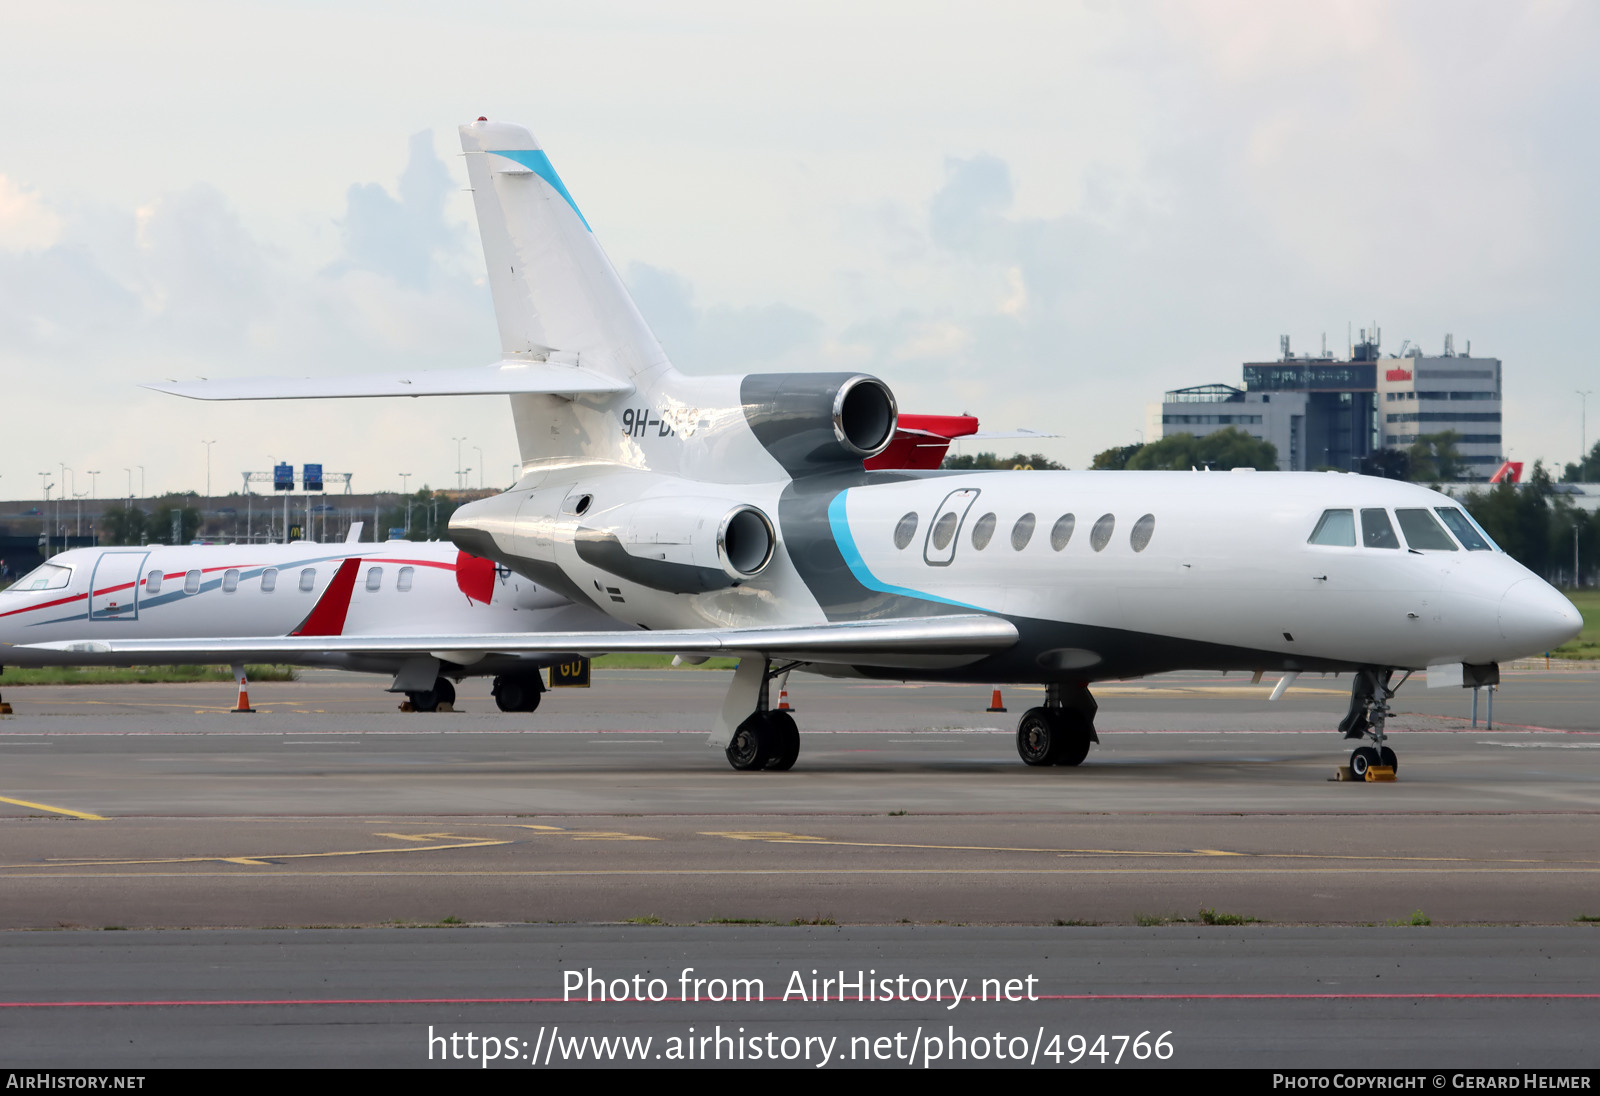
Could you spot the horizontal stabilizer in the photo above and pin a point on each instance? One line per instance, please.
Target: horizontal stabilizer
(503, 378)
(886, 643)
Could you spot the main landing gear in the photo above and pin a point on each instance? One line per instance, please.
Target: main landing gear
(768, 738)
(430, 700)
(1369, 710)
(1061, 732)
(518, 692)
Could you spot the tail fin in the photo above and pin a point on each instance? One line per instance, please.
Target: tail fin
(556, 295)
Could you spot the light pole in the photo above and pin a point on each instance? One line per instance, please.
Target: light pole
(93, 472)
(480, 466)
(405, 489)
(458, 442)
(44, 488)
(1583, 433)
(208, 445)
(141, 480)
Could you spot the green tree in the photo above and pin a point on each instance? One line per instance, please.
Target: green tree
(1115, 459)
(430, 515)
(123, 525)
(158, 526)
(1435, 459)
(1585, 471)
(1222, 449)
(989, 461)
(1387, 463)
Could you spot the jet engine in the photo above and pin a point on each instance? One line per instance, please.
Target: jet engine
(680, 545)
(814, 421)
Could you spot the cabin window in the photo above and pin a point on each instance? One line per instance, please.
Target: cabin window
(1467, 533)
(944, 529)
(1061, 531)
(403, 579)
(374, 577)
(1376, 531)
(191, 582)
(308, 580)
(1022, 532)
(230, 580)
(1139, 539)
(905, 530)
(152, 582)
(1100, 535)
(46, 576)
(983, 531)
(1423, 531)
(269, 580)
(1337, 529)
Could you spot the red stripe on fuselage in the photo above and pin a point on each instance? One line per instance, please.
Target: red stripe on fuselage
(327, 616)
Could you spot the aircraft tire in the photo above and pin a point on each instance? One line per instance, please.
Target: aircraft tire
(751, 747)
(425, 701)
(517, 694)
(444, 690)
(1075, 733)
(1389, 758)
(785, 740)
(1039, 737)
(1364, 758)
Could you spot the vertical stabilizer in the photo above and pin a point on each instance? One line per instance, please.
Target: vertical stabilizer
(556, 295)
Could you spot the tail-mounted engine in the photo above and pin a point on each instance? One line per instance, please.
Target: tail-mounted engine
(680, 545)
(815, 422)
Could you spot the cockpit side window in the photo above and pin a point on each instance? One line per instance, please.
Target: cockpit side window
(46, 576)
(1336, 528)
(1466, 532)
(1423, 532)
(1377, 531)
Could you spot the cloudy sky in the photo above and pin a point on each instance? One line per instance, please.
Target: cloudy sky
(1044, 214)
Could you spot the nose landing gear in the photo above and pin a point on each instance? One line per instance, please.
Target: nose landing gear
(1369, 711)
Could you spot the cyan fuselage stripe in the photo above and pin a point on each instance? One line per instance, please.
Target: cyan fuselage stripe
(537, 162)
(840, 524)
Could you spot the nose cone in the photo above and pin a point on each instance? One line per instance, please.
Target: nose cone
(1535, 617)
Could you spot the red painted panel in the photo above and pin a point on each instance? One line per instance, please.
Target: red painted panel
(475, 577)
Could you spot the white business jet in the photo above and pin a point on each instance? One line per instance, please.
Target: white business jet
(100, 597)
(734, 515)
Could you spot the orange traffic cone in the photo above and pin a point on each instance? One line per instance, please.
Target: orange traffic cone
(995, 703)
(783, 701)
(244, 691)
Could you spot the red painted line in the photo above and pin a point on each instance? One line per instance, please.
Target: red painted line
(232, 1003)
(45, 605)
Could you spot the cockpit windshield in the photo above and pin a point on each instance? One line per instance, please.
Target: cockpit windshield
(1467, 531)
(46, 576)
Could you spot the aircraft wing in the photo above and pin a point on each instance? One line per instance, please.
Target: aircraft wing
(911, 643)
(502, 378)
